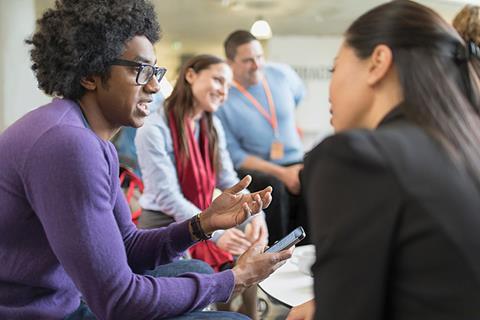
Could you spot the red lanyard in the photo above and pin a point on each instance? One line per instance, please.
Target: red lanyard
(272, 117)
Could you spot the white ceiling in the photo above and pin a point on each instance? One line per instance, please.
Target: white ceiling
(198, 25)
(191, 19)
(213, 20)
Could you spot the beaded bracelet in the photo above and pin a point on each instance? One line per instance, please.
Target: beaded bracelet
(197, 229)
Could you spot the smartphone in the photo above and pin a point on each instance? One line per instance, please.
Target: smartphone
(288, 241)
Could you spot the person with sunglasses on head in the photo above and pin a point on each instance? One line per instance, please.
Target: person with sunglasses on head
(183, 157)
(394, 195)
(69, 247)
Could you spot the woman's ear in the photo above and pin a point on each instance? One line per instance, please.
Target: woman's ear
(89, 83)
(190, 75)
(381, 61)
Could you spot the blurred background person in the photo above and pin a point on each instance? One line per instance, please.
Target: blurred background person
(183, 157)
(262, 137)
(467, 23)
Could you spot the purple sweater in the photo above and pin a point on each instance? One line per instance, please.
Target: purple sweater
(65, 230)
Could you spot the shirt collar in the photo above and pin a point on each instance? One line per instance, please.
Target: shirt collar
(395, 114)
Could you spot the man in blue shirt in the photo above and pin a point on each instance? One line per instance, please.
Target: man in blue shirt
(259, 123)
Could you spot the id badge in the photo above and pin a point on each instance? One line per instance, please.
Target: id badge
(276, 150)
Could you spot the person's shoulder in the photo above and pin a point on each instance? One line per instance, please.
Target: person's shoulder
(278, 69)
(401, 133)
(277, 66)
(216, 120)
(353, 146)
(63, 128)
(70, 146)
(234, 95)
(410, 147)
(54, 131)
(400, 144)
(230, 106)
(217, 123)
(55, 113)
(72, 138)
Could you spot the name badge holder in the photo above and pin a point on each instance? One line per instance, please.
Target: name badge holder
(277, 150)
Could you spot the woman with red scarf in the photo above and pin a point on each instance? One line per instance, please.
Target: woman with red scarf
(183, 157)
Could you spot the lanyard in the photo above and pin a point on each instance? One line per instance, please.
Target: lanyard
(272, 117)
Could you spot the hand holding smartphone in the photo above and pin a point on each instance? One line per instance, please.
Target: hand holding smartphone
(288, 241)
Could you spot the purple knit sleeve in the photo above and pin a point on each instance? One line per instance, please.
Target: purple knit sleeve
(70, 183)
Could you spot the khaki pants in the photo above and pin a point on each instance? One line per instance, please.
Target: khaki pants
(150, 219)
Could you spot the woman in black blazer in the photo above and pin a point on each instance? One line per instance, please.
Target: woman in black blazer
(394, 196)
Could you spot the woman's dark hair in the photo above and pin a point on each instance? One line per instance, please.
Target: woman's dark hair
(437, 72)
(79, 38)
(181, 103)
(236, 39)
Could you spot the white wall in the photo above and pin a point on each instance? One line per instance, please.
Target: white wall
(311, 57)
(18, 86)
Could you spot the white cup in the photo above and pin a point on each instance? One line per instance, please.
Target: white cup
(304, 260)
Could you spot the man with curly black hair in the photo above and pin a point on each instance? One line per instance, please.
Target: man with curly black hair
(68, 246)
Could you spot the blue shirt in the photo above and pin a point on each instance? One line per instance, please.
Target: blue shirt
(249, 133)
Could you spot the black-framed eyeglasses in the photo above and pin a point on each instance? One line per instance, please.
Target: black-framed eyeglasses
(145, 71)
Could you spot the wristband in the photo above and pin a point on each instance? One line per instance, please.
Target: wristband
(197, 229)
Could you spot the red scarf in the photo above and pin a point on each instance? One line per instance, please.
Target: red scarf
(196, 176)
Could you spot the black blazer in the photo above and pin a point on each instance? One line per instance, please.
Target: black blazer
(396, 227)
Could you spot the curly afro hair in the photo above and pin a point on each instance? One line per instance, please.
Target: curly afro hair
(79, 38)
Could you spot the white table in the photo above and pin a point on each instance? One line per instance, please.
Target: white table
(288, 285)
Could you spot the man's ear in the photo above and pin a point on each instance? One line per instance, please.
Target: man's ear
(89, 83)
(381, 61)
